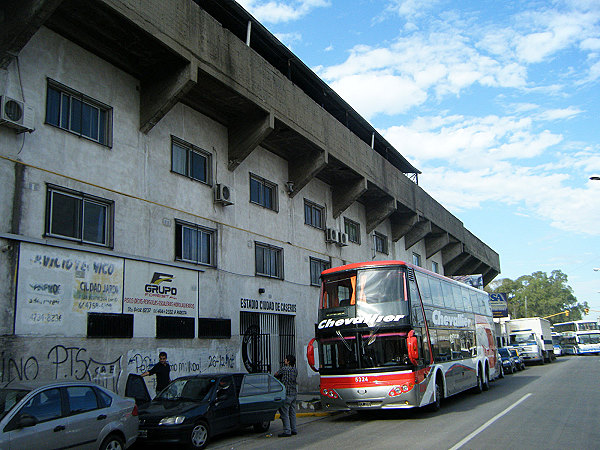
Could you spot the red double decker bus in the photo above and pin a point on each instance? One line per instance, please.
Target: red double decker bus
(394, 335)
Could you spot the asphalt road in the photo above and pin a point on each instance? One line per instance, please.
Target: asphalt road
(554, 406)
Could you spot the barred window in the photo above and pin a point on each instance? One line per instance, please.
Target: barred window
(105, 325)
(209, 328)
(168, 327)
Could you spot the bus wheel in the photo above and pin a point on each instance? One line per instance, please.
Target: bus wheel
(437, 401)
(486, 381)
(478, 389)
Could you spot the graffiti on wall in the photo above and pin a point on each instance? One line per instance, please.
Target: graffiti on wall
(61, 363)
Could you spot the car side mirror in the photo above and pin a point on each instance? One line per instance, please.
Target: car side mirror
(26, 420)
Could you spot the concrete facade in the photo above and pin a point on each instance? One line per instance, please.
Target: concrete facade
(170, 70)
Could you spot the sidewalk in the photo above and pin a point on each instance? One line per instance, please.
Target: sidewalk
(308, 404)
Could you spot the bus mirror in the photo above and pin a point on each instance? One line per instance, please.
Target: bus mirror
(413, 348)
(310, 354)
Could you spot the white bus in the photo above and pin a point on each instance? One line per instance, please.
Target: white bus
(579, 337)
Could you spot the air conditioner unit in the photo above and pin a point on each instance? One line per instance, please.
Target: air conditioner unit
(16, 114)
(342, 239)
(223, 194)
(331, 235)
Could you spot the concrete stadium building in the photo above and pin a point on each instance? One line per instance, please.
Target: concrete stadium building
(172, 177)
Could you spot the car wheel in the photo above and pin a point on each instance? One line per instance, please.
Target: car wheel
(199, 435)
(261, 427)
(112, 442)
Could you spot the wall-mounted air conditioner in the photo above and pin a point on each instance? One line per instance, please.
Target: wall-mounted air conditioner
(342, 239)
(331, 235)
(223, 194)
(16, 114)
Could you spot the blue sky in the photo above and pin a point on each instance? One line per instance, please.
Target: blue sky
(496, 102)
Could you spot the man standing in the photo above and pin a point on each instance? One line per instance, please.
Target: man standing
(287, 375)
(162, 371)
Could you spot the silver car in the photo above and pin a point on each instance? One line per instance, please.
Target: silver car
(65, 414)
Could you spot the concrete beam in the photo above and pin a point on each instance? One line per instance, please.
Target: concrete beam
(303, 169)
(489, 275)
(378, 212)
(158, 96)
(470, 266)
(344, 194)
(246, 135)
(418, 232)
(452, 251)
(452, 268)
(402, 224)
(19, 21)
(436, 243)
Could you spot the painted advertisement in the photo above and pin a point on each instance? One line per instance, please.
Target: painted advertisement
(154, 289)
(59, 286)
(499, 304)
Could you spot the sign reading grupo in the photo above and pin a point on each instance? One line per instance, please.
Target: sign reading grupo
(155, 289)
(59, 286)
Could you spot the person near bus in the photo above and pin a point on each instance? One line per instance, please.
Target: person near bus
(162, 370)
(287, 375)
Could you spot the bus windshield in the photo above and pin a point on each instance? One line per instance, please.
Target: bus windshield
(372, 291)
(364, 350)
(589, 338)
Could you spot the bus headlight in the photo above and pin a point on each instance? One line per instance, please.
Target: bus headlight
(330, 393)
(397, 390)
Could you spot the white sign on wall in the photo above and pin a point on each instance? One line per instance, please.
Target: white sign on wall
(152, 290)
(59, 286)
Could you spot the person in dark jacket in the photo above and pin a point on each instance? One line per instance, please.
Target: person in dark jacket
(287, 375)
(162, 370)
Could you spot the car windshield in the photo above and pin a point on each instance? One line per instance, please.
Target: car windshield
(503, 352)
(194, 389)
(9, 398)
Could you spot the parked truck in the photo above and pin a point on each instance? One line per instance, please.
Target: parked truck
(532, 336)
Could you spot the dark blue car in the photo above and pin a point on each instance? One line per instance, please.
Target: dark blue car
(192, 409)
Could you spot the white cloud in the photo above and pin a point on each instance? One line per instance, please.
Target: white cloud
(272, 11)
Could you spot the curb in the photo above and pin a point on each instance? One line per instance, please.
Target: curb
(308, 414)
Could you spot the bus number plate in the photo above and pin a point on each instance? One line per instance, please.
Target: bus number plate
(364, 404)
(361, 379)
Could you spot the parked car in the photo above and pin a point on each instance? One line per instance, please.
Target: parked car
(193, 409)
(519, 362)
(508, 363)
(65, 414)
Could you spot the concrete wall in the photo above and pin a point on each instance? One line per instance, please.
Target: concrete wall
(135, 173)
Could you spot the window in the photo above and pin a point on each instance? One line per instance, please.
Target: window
(316, 267)
(169, 327)
(81, 399)
(77, 113)
(44, 406)
(416, 259)
(78, 216)
(352, 229)
(214, 328)
(194, 243)
(269, 260)
(313, 215)
(381, 243)
(435, 267)
(103, 325)
(190, 161)
(263, 192)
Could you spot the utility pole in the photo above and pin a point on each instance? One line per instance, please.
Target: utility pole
(526, 314)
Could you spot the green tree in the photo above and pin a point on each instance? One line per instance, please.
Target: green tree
(540, 295)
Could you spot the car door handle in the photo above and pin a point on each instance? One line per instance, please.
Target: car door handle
(277, 399)
(101, 417)
(59, 428)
